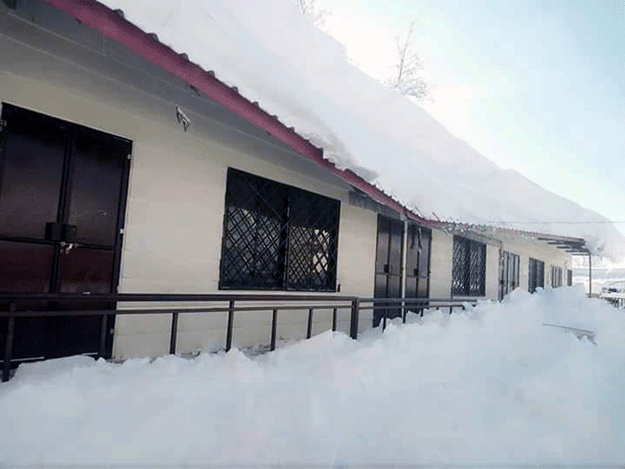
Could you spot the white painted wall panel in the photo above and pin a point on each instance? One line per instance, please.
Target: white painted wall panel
(441, 264)
(176, 199)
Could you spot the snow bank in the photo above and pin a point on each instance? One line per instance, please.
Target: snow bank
(489, 386)
(275, 56)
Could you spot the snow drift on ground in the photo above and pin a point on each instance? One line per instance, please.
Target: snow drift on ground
(275, 56)
(492, 386)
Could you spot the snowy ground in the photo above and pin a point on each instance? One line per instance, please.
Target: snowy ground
(490, 386)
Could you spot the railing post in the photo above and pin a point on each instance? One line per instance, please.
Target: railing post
(174, 334)
(230, 325)
(334, 320)
(450, 309)
(404, 311)
(310, 320)
(103, 327)
(353, 326)
(8, 346)
(274, 327)
(385, 316)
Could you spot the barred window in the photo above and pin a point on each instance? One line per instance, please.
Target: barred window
(536, 275)
(569, 277)
(556, 276)
(277, 237)
(469, 268)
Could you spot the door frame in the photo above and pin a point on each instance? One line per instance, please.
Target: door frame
(402, 260)
(5, 108)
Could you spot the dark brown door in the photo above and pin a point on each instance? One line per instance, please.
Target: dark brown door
(62, 199)
(388, 265)
(418, 262)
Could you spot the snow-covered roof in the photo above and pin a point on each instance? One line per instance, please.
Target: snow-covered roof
(276, 57)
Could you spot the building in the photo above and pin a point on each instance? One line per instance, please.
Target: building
(126, 168)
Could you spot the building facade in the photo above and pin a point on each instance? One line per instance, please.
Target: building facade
(119, 176)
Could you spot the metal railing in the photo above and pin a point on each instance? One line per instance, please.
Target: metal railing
(20, 306)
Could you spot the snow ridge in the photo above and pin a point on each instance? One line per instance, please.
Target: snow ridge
(275, 56)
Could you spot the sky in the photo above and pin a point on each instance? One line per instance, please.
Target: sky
(536, 86)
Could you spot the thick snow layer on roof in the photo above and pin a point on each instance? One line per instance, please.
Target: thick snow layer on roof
(492, 387)
(275, 56)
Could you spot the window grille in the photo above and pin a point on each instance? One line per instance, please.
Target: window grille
(277, 237)
(536, 275)
(556, 276)
(469, 268)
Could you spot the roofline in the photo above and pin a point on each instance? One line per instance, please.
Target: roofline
(114, 26)
(568, 243)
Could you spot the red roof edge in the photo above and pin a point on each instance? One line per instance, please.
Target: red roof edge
(114, 26)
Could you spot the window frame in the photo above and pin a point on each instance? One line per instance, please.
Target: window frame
(290, 222)
(463, 287)
(557, 279)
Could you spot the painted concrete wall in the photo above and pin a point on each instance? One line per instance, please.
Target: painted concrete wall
(527, 247)
(176, 199)
(442, 263)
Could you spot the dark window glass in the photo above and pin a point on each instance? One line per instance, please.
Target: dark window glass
(31, 170)
(277, 236)
(98, 165)
(469, 268)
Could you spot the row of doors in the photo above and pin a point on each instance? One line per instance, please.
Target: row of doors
(388, 270)
(62, 202)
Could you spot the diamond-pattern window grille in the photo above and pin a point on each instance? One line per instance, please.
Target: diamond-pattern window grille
(536, 276)
(469, 268)
(277, 236)
(556, 276)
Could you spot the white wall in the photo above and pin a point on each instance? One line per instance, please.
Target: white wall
(528, 247)
(176, 200)
(441, 264)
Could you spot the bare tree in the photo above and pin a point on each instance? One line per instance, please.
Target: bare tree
(310, 10)
(406, 77)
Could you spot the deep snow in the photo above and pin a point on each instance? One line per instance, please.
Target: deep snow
(489, 386)
(275, 56)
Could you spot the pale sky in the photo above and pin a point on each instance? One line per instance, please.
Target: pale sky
(537, 86)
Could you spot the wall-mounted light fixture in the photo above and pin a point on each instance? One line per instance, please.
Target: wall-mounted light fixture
(182, 119)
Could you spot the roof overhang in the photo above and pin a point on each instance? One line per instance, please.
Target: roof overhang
(574, 246)
(113, 25)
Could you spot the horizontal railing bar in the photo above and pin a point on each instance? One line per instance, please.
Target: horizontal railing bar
(412, 300)
(99, 312)
(139, 297)
(373, 307)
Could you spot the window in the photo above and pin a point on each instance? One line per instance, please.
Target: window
(469, 268)
(277, 237)
(509, 267)
(556, 276)
(536, 275)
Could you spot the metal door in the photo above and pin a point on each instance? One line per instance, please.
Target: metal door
(388, 266)
(418, 262)
(62, 200)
